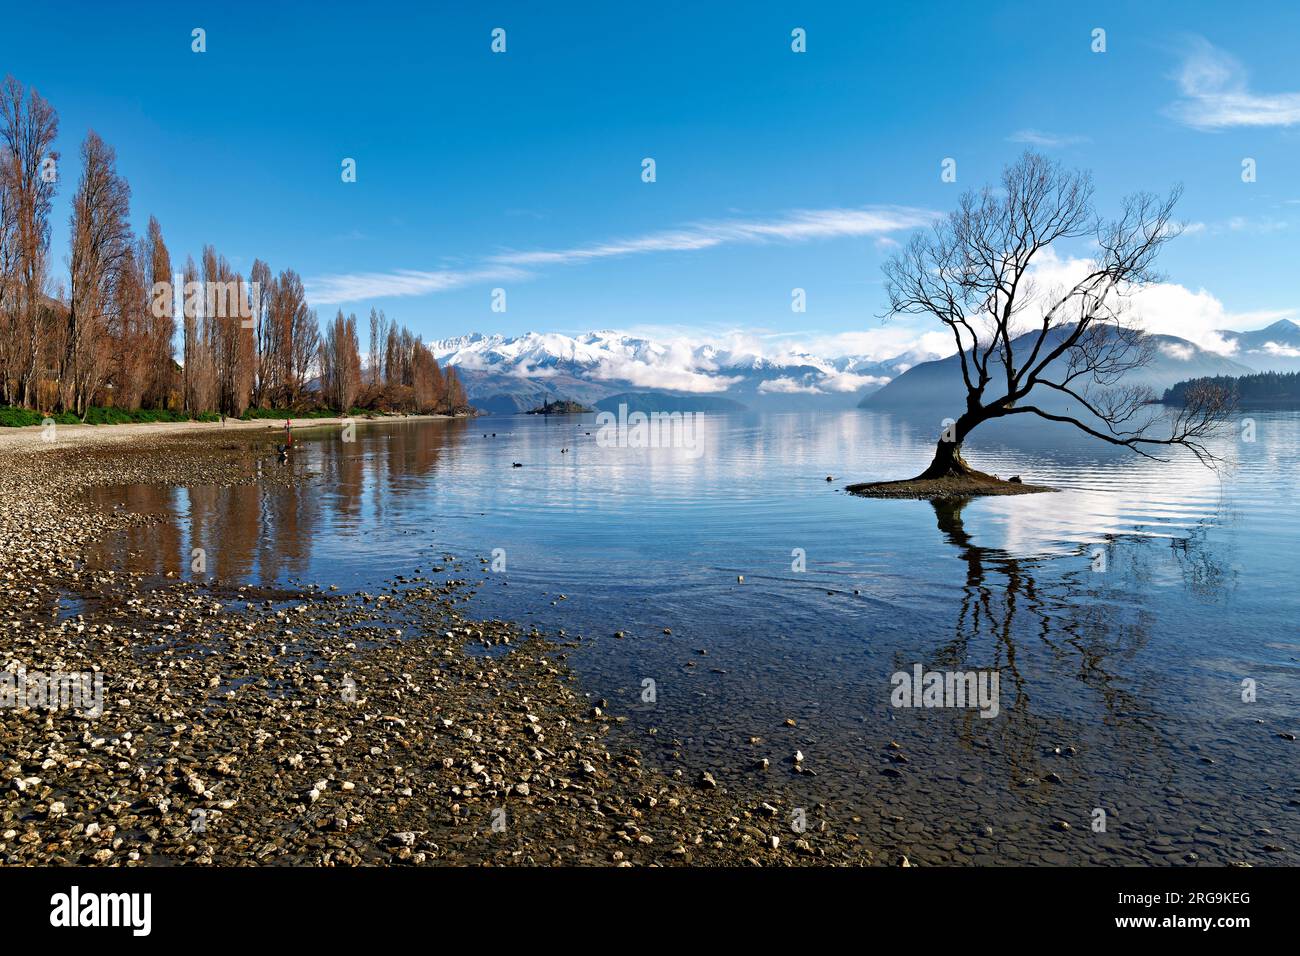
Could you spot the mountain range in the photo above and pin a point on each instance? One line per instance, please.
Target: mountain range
(939, 385)
(1275, 348)
(507, 374)
(510, 374)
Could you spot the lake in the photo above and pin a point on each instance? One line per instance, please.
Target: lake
(1142, 622)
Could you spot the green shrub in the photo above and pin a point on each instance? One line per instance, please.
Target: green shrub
(13, 417)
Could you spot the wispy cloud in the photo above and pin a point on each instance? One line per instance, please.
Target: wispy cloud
(1043, 140)
(358, 286)
(1237, 224)
(800, 226)
(1216, 93)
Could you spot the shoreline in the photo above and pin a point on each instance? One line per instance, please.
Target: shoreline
(305, 725)
(975, 485)
(30, 436)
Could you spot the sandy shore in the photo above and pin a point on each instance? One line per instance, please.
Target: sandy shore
(306, 725)
(31, 437)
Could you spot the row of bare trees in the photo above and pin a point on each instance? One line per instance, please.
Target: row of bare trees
(108, 336)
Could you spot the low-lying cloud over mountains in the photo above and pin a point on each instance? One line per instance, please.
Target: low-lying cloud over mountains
(508, 374)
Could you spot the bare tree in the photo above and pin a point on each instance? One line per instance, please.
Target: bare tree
(101, 243)
(455, 400)
(229, 332)
(200, 367)
(156, 262)
(972, 272)
(299, 335)
(129, 331)
(28, 175)
(340, 363)
(263, 331)
(428, 385)
(378, 334)
(11, 329)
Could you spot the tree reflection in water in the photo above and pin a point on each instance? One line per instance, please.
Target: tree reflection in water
(1079, 619)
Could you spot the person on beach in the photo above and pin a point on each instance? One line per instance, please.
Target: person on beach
(283, 450)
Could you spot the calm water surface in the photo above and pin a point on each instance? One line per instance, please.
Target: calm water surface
(1122, 614)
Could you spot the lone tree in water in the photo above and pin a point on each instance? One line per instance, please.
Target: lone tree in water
(972, 272)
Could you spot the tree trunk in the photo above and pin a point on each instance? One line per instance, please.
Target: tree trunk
(948, 462)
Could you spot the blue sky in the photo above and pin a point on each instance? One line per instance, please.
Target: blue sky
(775, 170)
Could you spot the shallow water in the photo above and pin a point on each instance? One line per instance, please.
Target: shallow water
(1121, 615)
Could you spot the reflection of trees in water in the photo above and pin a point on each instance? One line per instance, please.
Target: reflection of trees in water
(1208, 576)
(264, 531)
(154, 548)
(1078, 618)
(1211, 578)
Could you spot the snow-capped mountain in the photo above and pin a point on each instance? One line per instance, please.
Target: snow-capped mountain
(1274, 348)
(536, 350)
(516, 373)
(510, 373)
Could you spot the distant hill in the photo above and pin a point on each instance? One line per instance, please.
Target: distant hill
(1264, 390)
(1275, 348)
(938, 385)
(662, 402)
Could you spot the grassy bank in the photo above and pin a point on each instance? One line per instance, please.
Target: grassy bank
(15, 417)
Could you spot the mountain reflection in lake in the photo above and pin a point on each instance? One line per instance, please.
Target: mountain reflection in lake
(1122, 614)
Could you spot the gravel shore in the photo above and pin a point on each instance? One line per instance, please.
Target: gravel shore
(310, 726)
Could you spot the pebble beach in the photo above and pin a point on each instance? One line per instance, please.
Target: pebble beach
(311, 726)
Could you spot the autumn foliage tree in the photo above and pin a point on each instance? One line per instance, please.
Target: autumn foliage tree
(101, 244)
(130, 348)
(340, 362)
(155, 262)
(28, 175)
(108, 333)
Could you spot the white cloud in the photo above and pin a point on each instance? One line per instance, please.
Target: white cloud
(663, 373)
(787, 385)
(530, 371)
(851, 381)
(357, 287)
(884, 342)
(1285, 351)
(1262, 225)
(800, 226)
(1163, 307)
(1216, 94)
(1045, 140)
